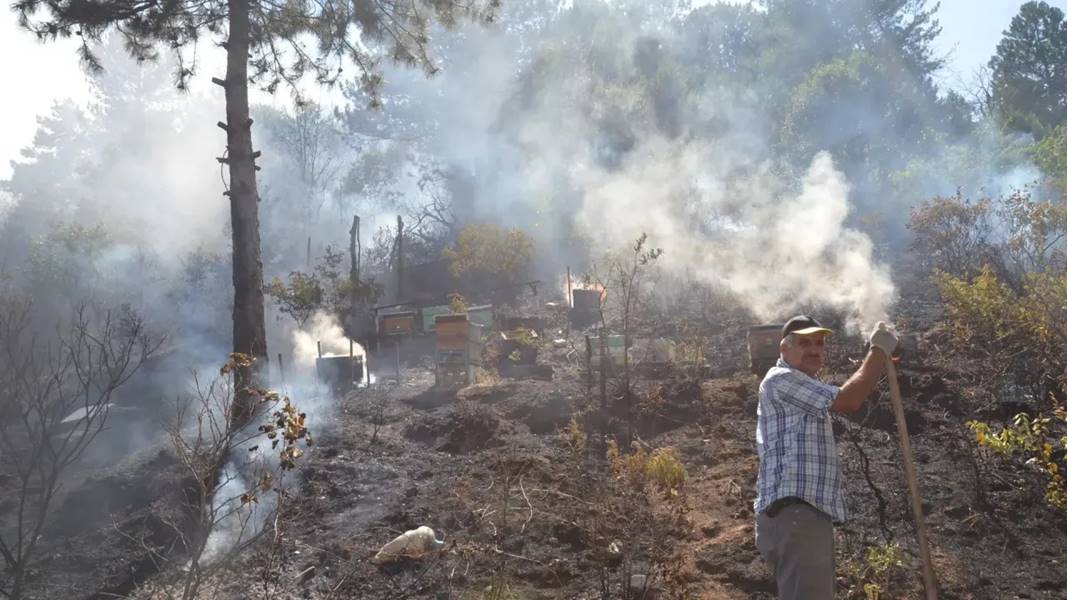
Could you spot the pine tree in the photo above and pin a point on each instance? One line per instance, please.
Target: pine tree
(1029, 76)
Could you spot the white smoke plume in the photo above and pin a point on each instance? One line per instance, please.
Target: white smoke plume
(586, 162)
(323, 328)
(237, 522)
(7, 202)
(773, 247)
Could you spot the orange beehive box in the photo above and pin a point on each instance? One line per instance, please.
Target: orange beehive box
(452, 331)
(400, 323)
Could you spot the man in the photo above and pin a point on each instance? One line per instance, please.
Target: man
(800, 494)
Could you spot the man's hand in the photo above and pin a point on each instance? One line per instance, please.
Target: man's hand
(865, 380)
(883, 338)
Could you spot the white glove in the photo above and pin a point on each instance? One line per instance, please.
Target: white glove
(883, 338)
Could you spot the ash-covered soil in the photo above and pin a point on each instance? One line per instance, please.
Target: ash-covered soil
(528, 513)
(492, 469)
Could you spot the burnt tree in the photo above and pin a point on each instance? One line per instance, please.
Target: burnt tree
(249, 331)
(281, 42)
(57, 395)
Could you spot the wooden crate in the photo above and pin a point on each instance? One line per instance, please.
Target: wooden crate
(763, 350)
(458, 353)
(398, 323)
(430, 313)
(339, 373)
(452, 331)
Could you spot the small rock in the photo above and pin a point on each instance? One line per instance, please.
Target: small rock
(637, 582)
(958, 512)
(642, 587)
(711, 529)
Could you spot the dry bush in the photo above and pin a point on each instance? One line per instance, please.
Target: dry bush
(488, 249)
(576, 439)
(377, 403)
(876, 573)
(666, 471)
(1016, 341)
(234, 479)
(1006, 333)
(661, 469)
(627, 308)
(1013, 235)
(325, 288)
(55, 396)
(998, 266)
(1005, 297)
(952, 234)
(648, 511)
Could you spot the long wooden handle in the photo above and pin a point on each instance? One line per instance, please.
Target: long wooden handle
(913, 483)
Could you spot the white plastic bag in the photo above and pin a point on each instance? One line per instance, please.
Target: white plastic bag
(412, 544)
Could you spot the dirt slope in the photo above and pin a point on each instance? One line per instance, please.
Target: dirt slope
(525, 516)
(528, 515)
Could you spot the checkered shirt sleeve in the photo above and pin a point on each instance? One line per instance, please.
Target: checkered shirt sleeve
(795, 440)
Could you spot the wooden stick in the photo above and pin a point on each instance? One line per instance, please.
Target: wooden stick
(913, 483)
(570, 292)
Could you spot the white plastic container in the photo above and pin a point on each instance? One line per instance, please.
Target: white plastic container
(411, 544)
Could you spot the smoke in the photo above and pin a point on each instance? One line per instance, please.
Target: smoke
(300, 381)
(585, 124)
(322, 329)
(237, 522)
(574, 149)
(121, 203)
(7, 202)
(598, 123)
(771, 247)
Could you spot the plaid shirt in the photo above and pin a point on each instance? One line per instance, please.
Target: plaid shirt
(795, 439)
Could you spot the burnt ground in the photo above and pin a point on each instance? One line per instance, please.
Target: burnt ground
(528, 516)
(528, 513)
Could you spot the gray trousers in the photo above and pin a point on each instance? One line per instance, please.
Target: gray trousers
(798, 545)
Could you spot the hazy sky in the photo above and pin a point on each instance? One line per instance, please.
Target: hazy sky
(36, 75)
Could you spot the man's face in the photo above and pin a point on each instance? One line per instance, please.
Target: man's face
(807, 352)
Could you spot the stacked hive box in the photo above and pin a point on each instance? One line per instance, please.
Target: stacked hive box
(458, 350)
(763, 347)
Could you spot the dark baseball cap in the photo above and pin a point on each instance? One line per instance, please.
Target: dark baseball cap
(803, 325)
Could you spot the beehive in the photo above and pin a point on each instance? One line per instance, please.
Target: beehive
(398, 323)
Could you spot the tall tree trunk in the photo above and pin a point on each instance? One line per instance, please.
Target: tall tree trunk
(15, 593)
(249, 331)
(354, 251)
(399, 259)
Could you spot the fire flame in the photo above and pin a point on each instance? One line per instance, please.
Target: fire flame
(570, 283)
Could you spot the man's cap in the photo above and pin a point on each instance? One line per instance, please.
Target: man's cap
(803, 325)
